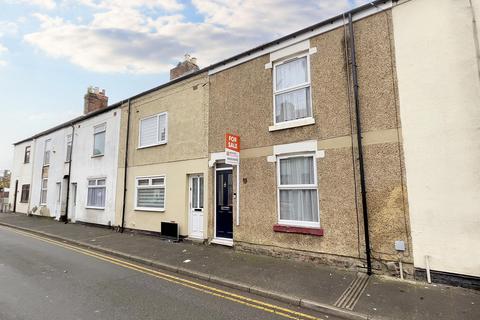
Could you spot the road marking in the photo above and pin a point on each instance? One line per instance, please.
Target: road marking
(253, 303)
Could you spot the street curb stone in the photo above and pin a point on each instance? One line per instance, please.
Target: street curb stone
(305, 303)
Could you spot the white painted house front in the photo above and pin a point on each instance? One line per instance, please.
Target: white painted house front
(93, 178)
(50, 174)
(21, 178)
(436, 52)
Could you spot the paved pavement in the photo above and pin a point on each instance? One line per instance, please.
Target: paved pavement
(41, 280)
(295, 282)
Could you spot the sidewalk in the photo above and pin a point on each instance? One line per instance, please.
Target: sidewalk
(311, 285)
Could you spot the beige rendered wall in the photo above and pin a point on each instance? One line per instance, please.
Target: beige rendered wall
(438, 79)
(185, 152)
(241, 100)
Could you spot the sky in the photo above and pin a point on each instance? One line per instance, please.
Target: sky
(52, 50)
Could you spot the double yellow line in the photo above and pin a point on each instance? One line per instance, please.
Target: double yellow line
(249, 302)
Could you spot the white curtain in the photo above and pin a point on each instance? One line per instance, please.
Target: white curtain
(96, 197)
(297, 170)
(292, 105)
(299, 203)
(291, 74)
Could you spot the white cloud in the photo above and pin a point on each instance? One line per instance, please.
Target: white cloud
(8, 28)
(127, 36)
(169, 5)
(47, 4)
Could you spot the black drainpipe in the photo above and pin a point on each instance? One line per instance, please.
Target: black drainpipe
(65, 217)
(359, 141)
(126, 168)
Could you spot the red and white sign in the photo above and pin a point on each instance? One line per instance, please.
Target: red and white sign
(232, 149)
(232, 142)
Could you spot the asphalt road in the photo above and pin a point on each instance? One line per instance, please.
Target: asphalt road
(42, 280)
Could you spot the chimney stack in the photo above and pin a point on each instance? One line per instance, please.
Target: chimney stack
(189, 65)
(94, 100)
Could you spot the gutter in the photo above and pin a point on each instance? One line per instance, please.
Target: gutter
(122, 226)
(360, 146)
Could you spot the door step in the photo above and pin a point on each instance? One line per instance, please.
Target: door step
(223, 242)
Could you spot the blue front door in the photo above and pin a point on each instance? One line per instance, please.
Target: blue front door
(224, 204)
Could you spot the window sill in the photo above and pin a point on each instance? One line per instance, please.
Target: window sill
(299, 230)
(95, 208)
(152, 145)
(97, 155)
(149, 209)
(292, 124)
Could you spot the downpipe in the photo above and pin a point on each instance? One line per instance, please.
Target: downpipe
(359, 142)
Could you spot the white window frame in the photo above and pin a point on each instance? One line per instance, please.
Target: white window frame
(45, 152)
(104, 125)
(159, 142)
(150, 186)
(42, 189)
(294, 223)
(308, 84)
(96, 186)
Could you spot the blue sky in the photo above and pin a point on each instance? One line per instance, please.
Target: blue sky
(52, 50)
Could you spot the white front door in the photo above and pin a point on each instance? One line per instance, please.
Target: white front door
(196, 206)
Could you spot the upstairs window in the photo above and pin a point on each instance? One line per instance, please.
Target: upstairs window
(297, 191)
(291, 88)
(96, 193)
(46, 153)
(99, 140)
(153, 130)
(26, 157)
(68, 142)
(150, 193)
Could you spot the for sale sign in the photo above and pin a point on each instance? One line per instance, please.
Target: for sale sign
(232, 149)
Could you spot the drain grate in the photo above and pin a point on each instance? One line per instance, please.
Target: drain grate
(351, 295)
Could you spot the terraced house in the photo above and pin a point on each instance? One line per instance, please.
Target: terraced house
(304, 187)
(163, 160)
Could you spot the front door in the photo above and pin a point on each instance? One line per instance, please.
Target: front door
(196, 206)
(224, 204)
(73, 201)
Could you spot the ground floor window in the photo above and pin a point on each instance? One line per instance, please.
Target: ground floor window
(43, 191)
(25, 193)
(150, 193)
(297, 190)
(96, 193)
